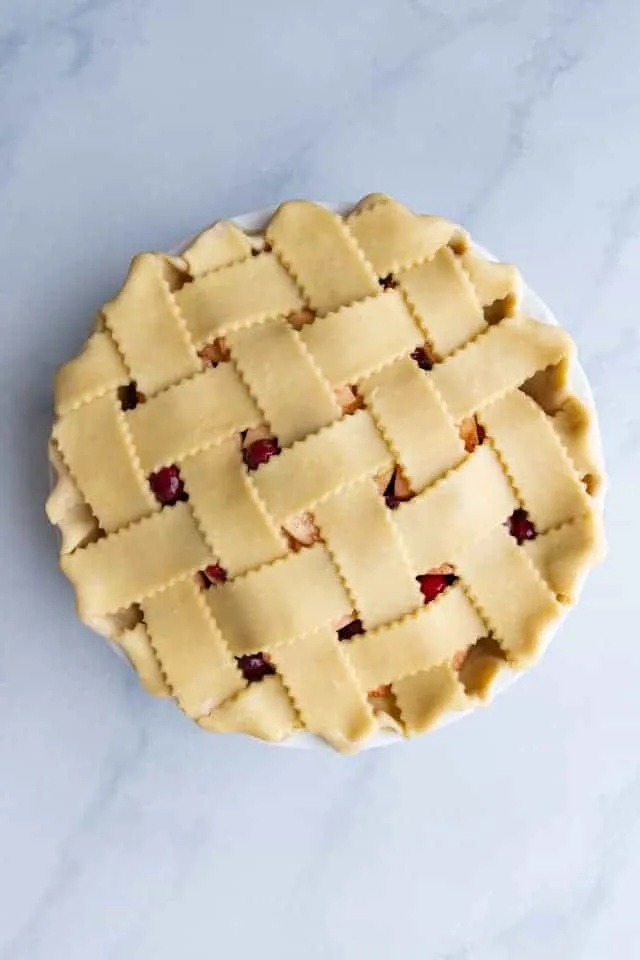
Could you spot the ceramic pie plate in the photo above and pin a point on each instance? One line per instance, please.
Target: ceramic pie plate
(533, 306)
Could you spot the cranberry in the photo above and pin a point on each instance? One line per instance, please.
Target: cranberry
(521, 527)
(350, 630)
(261, 451)
(422, 358)
(167, 485)
(129, 396)
(387, 283)
(255, 666)
(215, 573)
(432, 584)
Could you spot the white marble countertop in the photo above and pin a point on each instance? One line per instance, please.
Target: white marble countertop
(124, 831)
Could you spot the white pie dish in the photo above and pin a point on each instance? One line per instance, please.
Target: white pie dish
(533, 306)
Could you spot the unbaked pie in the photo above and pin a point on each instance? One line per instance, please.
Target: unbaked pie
(326, 477)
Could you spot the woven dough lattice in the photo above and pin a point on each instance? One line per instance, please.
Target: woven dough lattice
(265, 336)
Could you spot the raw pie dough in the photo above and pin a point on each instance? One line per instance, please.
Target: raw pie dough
(425, 338)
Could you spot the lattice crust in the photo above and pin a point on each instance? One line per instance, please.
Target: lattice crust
(311, 325)
(519, 616)
(527, 442)
(475, 497)
(364, 543)
(563, 556)
(97, 370)
(358, 339)
(408, 409)
(202, 673)
(418, 642)
(493, 281)
(273, 360)
(573, 425)
(279, 602)
(392, 237)
(237, 296)
(322, 256)
(262, 710)
(134, 563)
(496, 362)
(95, 446)
(218, 246)
(425, 697)
(314, 468)
(233, 521)
(443, 301)
(149, 332)
(316, 671)
(206, 408)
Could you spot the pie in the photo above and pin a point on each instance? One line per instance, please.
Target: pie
(326, 477)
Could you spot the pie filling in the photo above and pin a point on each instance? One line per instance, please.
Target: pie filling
(414, 385)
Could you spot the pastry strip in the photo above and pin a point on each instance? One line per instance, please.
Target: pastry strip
(280, 602)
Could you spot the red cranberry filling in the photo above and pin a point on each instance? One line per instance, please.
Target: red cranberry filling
(432, 584)
(397, 490)
(255, 666)
(520, 527)
(167, 485)
(261, 451)
(350, 630)
(420, 356)
(129, 397)
(214, 573)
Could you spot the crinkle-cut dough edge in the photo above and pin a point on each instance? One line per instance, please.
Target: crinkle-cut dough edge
(321, 407)
(443, 302)
(574, 425)
(524, 652)
(493, 280)
(268, 543)
(262, 710)
(453, 392)
(286, 599)
(159, 375)
(186, 417)
(429, 233)
(126, 496)
(345, 686)
(566, 553)
(219, 245)
(67, 508)
(352, 550)
(483, 496)
(420, 640)
(549, 387)
(176, 521)
(334, 359)
(551, 496)
(367, 284)
(96, 370)
(418, 476)
(371, 461)
(139, 651)
(214, 675)
(238, 296)
(444, 691)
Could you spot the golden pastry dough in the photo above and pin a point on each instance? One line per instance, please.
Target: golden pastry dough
(312, 570)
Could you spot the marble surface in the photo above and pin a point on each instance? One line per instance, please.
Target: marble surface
(124, 831)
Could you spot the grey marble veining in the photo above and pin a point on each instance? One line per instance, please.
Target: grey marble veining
(125, 832)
